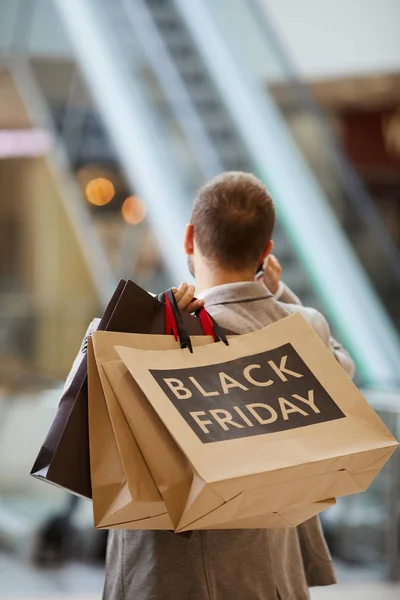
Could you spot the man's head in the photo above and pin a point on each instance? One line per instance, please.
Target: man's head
(232, 223)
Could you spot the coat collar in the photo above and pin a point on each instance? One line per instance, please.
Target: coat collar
(230, 293)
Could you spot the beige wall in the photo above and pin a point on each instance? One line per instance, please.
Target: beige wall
(55, 278)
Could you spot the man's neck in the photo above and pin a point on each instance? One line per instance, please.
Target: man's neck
(208, 277)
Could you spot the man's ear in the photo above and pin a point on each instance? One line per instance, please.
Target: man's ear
(267, 250)
(188, 240)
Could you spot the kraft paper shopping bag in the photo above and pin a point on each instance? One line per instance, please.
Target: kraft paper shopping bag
(134, 501)
(267, 424)
(123, 490)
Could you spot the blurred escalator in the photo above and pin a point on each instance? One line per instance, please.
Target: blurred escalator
(171, 76)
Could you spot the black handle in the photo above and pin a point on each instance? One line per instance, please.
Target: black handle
(174, 323)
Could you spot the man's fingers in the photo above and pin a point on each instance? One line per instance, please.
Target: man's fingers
(195, 305)
(186, 298)
(184, 295)
(273, 266)
(272, 273)
(274, 263)
(180, 291)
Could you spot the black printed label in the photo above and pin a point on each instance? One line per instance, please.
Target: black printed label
(267, 392)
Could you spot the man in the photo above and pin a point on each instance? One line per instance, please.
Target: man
(229, 236)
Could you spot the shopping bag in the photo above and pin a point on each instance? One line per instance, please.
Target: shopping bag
(122, 486)
(123, 489)
(262, 426)
(63, 459)
(135, 502)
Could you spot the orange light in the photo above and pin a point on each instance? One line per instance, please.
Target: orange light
(133, 210)
(100, 191)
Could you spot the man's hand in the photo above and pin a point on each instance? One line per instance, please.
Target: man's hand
(184, 296)
(272, 273)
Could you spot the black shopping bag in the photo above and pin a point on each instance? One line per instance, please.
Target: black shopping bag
(63, 459)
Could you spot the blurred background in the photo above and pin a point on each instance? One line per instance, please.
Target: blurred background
(112, 113)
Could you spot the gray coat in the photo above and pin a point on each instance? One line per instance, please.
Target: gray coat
(279, 564)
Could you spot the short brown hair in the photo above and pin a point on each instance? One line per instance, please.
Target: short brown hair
(233, 219)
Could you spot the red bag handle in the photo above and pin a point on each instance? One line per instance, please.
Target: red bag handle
(174, 325)
(210, 326)
(207, 323)
(171, 325)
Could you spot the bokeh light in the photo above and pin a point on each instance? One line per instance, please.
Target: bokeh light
(100, 191)
(133, 210)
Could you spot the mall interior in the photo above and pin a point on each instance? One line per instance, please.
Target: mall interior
(112, 114)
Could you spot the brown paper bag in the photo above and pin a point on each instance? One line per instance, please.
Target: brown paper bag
(112, 443)
(123, 490)
(270, 423)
